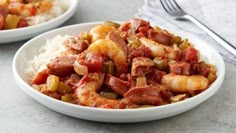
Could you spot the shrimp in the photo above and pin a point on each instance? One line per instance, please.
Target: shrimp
(43, 6)
(100, 31)
(22, 9)
(185, 84)
(29, 9)
(87, 95)
(113, 51)
(159, 50)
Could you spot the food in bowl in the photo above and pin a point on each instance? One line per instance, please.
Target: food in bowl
(119, 66)
(23, 13)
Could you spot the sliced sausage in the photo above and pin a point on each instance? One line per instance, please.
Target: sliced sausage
(190, 55)
(93, 61)
(141, 51)
(141, 66)
(1, 22)
(22, 23)
(76, 44)
(3, 15)
(160, 37)
(181, 68)
(200, 68)
(156, 75)
(137, 23)
(144, 95)
(3, 11)
(116, 84)
(61, 66)
(118, 40)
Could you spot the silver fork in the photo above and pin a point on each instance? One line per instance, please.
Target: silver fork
(174, 10)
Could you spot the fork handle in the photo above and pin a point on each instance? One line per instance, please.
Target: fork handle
(214, 35)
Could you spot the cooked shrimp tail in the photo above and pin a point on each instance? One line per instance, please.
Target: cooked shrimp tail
(87, 95)
(185, 84)
(159, 50)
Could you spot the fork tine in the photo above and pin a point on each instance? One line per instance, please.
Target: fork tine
(172, 5)
(177, 5)
(165, 7)
(172, 8)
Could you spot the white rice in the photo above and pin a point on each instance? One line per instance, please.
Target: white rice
(53, 48)
(59, 7)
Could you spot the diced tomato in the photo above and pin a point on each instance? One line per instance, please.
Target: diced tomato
(41, 77)
(33, 11)
(190, 55)
(125, 26)
(94, 62)
(143, 30)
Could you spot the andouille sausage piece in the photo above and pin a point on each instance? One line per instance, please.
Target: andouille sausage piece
(1, 22)
(144, 95)
(3, 11)
(116, 84)
(118, 40)
(3, 15)
(181, 68)
(190, 55)
(22, 23)
(61, 66)
(160, 37)
(76, 44)
(156, 75)
(137, 23)
(141, 66)
(140, 51)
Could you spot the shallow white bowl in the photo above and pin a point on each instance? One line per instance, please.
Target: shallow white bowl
(31, 31)
(30, 49)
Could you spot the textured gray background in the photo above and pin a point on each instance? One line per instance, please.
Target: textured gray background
(19, 113)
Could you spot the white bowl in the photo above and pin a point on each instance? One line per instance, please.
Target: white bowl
(30, 49)
(31, 31)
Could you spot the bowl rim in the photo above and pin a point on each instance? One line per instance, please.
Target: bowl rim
(212, 89)
(72, 6)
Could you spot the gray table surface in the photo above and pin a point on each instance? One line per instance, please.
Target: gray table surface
(19, 113)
